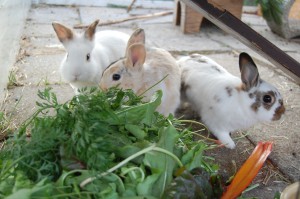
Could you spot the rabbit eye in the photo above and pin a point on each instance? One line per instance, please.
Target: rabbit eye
(88, 57)
(116, 77)
(268, 99)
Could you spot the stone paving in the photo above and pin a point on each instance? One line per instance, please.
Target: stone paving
(40, 55)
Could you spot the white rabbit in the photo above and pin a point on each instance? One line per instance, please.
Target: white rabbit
(141, 69)
(88, 54)
(227, 103)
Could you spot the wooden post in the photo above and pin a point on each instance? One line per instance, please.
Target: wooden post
(190, 20)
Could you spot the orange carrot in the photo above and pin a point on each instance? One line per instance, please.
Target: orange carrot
(248, 171)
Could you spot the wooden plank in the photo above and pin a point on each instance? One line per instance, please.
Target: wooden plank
(247, 36)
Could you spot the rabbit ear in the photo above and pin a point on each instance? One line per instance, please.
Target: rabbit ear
(63, 33)
(249, 72)
(138, 36)
(135, 56)
(90, 31)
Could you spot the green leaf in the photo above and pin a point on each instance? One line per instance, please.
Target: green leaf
(142, 113)
(160, 163)
(136, 131)
(146, 187)
(194, 157)
(277, 195)
(272, 10)
(43, 188)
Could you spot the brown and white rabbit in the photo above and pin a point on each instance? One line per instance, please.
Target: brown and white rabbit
(225, 102)
(88, 54)
(142, 68)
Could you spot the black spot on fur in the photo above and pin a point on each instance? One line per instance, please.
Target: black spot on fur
(251, 95)
(216, 68)
(229, 91)
(184, 87)
(217, 98)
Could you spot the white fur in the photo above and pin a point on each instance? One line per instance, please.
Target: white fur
(221, 113)
(107, 47)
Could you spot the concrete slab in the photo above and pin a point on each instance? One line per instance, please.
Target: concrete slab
(21, 102)
(42, 45)
(38, 30)
(89, 14)
(43, 14)
(172, 39)
(40, 69)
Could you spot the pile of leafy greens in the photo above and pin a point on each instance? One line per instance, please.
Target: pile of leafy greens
(105, 145)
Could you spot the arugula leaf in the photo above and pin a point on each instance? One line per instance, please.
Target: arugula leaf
(162, 164)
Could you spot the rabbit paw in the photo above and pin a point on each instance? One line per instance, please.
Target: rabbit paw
(226, 140)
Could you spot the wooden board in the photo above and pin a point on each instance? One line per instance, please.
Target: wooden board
(227, 22)
(190, 20)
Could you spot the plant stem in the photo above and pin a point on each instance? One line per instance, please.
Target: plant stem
(91, 179)
(193, 122)
(135, 168)
(148, 149)
(153, 86)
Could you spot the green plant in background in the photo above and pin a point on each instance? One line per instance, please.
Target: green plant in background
(271, 10)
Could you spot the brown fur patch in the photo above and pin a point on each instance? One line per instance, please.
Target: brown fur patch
(255, 106)
(259, 100)
(278, 112)
(114, 70)
(141, 89)
(241, 87)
